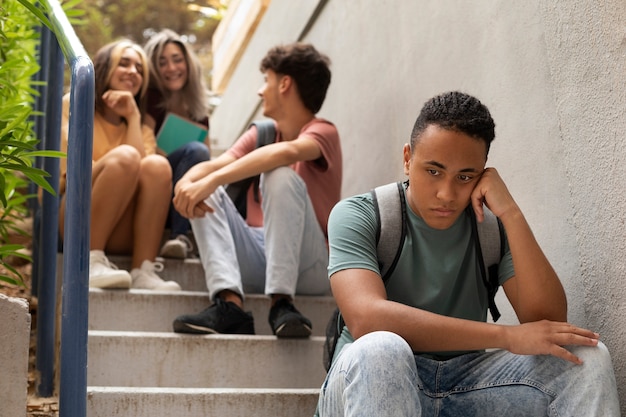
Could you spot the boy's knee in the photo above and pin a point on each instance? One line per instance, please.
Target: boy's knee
(382, 346)
(281, 178)
(595, 358)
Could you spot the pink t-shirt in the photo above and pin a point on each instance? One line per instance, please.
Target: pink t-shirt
(322, 176)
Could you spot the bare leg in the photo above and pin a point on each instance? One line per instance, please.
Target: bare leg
(152, 208)
(140, 230)
(115, 178)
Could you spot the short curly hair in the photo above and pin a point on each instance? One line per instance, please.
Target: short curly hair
(456, 111)
(308, 67)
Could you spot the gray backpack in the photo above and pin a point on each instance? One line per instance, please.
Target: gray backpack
(390, 206)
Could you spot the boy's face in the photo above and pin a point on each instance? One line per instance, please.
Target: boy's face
(269, 92)
(443, 170)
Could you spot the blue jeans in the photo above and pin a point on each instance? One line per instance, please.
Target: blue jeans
(378, 375)
(181, 160)
(288, 255)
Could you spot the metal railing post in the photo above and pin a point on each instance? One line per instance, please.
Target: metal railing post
(75, 285)
(74, 320)
(40, 130)
(47, 262)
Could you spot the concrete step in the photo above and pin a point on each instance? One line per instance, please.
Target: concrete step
(195, 402)
(189, 273)
(151, 311)
(136, 359)
(138, 367)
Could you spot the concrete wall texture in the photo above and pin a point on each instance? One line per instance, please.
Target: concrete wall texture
(554, 77)
(14, 326)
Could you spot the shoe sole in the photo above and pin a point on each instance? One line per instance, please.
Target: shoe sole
(293, 329)
(181, 327)
(165, 286)
(173, 252)
(189, 328)
(111, 282)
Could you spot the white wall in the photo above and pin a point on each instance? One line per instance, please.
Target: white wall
(554, 77)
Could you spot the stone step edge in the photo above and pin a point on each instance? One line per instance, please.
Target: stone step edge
(189, 293)
(193, 391)
(182, 336)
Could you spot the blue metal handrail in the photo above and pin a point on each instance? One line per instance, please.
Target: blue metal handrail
(75, 285)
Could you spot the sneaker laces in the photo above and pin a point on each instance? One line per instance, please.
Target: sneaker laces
(101, 258)
(150, 266)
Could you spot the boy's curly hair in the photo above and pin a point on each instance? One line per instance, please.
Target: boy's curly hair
(308, 68)
(456, 111)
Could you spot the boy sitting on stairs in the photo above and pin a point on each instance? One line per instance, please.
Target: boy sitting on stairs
(280, 247)
(419, 344)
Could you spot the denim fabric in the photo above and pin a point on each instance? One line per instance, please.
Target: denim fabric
(181, 160)
(378, 375)
(288, 255)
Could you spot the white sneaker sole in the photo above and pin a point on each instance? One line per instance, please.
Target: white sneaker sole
(118, 281)
(163, 286)
(173, 251)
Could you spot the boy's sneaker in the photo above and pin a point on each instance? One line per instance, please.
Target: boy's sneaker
(179, 248)
(286, 321)
(221, 317)
(147, 279)
(104, 274)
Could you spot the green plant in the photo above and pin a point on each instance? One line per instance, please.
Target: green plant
(18, 64)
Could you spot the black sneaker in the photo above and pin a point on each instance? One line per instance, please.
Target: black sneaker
(286, 321)
(221, 317)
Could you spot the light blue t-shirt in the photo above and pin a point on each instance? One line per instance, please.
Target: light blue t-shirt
(437, 270)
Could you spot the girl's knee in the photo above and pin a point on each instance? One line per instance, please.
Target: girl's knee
(197, 151)
(124, 156)
(156, 167)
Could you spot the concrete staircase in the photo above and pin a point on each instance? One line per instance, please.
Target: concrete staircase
(138, 367)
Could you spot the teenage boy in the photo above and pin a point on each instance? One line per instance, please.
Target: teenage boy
(421, 344)
(280, 248)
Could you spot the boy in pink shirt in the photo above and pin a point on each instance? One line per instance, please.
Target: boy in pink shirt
(280, 248)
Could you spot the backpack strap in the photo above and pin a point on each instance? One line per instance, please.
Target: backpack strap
(238, 191)
(489, 239)
(390, 208)
(266, 134)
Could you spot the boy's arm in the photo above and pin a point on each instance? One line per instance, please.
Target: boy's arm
(535, 292)
(361, 297)
(268, 157)
(202, 180)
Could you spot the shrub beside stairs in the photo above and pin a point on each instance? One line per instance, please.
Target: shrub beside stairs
(137, 367)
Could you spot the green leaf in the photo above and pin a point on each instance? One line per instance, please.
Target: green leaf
(37, 12)
(50, 154)
(10, 249)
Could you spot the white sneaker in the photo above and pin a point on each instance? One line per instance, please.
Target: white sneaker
(179, 248)
(104, 274)
(147, 279)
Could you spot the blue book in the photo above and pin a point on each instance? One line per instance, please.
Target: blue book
(177, 131)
